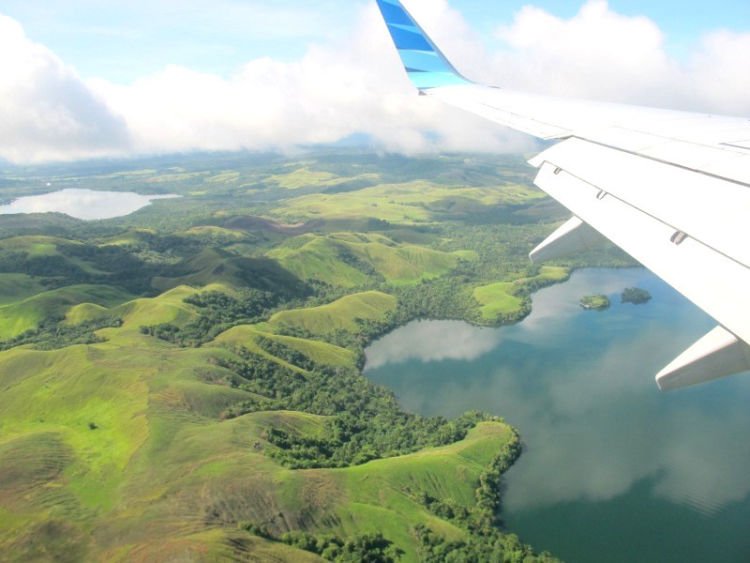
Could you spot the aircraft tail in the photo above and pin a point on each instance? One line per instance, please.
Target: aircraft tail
(425, 65)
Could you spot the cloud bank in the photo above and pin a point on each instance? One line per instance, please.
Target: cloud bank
(46, 111)
(354, 84)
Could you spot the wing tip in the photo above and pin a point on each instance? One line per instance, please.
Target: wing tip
(425, 64)
(718, 354)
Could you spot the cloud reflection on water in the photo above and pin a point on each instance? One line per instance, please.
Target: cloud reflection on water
(432, 341)
(579, 386)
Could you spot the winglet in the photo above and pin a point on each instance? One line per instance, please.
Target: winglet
(573, 236)
(718, 354)
(425, 65)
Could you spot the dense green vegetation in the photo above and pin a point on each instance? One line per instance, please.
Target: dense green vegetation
(217, 312)
(595, 302)
(372, 548)
(185, 382)
(635, 295)
(54, 333)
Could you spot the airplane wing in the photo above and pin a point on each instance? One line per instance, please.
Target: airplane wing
(670, 188)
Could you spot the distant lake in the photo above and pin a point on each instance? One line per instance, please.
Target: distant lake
(613, 469)
(82, 204)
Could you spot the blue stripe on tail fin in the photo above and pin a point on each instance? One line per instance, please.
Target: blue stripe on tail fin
(425, 65)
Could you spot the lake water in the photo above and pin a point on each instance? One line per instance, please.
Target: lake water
(82, 204)
(613, 469)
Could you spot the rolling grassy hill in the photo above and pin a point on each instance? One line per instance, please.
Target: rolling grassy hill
(213, 265)
(33, 245)
(502, 301)
(27, 314)
(17, 287)
(497, 300)
(128, 443)
(118, 451)
(351, 259)
(84, 313)
(306, 178)
(38, 249)
(320, 352)
(379, 492)
(313, 257)
(410, 203)
(342, 314)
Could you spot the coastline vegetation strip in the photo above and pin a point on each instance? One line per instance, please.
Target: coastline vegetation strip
(504, 302)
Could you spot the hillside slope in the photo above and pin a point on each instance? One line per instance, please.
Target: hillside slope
(119, 451)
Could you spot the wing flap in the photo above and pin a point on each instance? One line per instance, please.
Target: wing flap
(711, 280)
(571, 237)
(706, 208)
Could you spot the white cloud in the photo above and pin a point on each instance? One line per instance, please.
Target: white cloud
(600, 54)
(332, 92)
(355, 84)
(46, 111)
(719, 72)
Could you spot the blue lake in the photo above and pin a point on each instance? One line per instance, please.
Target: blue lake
(82, 204)
(613, 469)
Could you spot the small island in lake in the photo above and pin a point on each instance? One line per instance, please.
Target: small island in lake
(595, 302)
(635, 295)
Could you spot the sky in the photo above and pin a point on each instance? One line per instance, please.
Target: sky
(84, 78)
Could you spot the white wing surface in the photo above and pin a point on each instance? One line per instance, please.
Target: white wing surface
(670, 188)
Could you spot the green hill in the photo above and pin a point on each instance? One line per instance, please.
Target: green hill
(307, 178)
(122, 454)
(27, 314)
(415, 202)
(214, 265)
(84, 313)
(182, 400)
(342, 314)
(17, 287)
(319, 352)
(167, 308)
(498, 300)
(351, 259)
(508, 301)
(33, 245)
(52, 224)
(312, 257)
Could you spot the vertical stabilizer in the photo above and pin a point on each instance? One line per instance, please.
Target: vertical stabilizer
(426, 66)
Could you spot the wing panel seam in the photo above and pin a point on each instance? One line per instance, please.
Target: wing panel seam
(651, 215)
(662, 161)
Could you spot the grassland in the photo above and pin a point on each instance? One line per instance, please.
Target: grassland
(502, 301)
(498, 300)
(27, 314)
(306, 178)
(135, 447)
(17, 287)
(108, 449)
(343, 314)
(415, 202)
(352, 259)
(320, 352)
